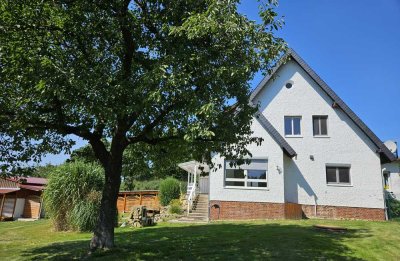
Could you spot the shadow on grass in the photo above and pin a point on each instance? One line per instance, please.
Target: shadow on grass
(211, 242)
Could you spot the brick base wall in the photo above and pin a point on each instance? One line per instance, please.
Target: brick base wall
(334, 212)
(245, 210)
(235, 210)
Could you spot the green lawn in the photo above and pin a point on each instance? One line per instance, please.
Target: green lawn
(283, 239)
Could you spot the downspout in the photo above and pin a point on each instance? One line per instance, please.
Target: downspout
(384, 194)
(315, 205)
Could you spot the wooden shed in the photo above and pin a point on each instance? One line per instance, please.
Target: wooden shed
(21, 197)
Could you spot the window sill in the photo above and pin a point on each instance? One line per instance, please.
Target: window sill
(246, 188)
(322, 136)
(293, 136)
(339, 185)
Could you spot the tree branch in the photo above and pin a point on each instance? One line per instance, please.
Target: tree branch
(128, 39)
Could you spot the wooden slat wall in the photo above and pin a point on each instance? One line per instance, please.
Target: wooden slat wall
(293, 211)
(132, 200)
(150, 201)
(8, 206)
(32, 207)
(127, 200)
(120, 204)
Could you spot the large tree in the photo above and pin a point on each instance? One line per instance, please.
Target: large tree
(129, 72)
(142, 161)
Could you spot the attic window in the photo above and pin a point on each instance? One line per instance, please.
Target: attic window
(289, 84)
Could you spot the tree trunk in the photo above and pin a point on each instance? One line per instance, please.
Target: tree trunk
(103, 236)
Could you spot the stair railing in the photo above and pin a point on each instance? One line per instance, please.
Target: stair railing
(192, 194)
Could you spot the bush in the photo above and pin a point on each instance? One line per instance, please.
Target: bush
(393, 206)
(169, 190)
(175, 207)
(72, 196)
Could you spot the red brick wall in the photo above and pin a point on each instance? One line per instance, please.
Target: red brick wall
(334, 212)
(231, 210)
(246, 210)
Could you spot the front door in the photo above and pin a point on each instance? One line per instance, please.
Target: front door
(204, 185)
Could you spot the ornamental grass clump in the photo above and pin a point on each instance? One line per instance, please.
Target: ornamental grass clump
(169, 190)
(72, 196)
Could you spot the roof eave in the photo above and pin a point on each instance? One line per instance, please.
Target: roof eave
(289, 151)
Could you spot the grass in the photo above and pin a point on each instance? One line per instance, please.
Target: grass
(251, 240)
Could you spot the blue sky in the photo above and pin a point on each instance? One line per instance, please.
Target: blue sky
(354, 46)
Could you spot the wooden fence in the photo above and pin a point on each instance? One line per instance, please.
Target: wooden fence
(127, 199)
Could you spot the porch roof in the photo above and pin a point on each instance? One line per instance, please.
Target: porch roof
(189, 166)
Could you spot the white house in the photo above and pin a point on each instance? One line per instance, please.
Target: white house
(391, 177)
(318, 159)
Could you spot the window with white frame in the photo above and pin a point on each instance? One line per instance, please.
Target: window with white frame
(292, 125)
(320, 125)
(338, 175)
(253, 175)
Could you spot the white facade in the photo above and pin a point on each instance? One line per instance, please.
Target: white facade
(302, 179)
(269, 150)
(393, 171)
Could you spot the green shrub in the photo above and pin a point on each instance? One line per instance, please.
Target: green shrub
(169, 190)
(72, 196)
(393, 206)
(183, 187)
(175, 207)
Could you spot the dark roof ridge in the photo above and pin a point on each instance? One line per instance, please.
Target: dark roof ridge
(364, 128)
(275, 135)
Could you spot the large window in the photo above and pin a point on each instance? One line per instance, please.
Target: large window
(338, 175)
(292, 125)
(320, 125)
(253, 175)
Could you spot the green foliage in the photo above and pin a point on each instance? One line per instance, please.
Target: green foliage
(143, 162)
(175, 207)
(141, 185)
(84, 154)
(169, 190)
(72, 196)
(393, 206)
(43, 171)
(158, 71)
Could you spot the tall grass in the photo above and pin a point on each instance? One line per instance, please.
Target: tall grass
(72, 196)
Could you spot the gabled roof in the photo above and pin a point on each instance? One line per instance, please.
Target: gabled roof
(386, 155)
